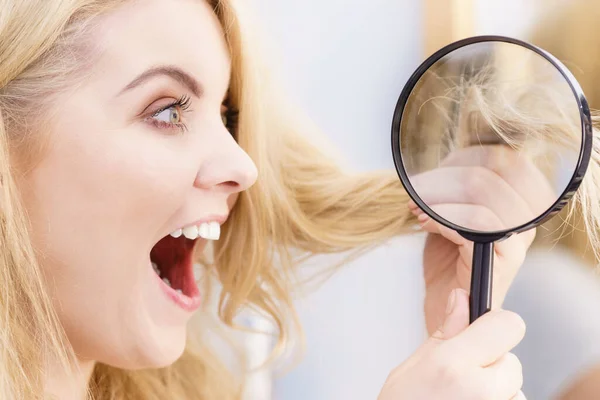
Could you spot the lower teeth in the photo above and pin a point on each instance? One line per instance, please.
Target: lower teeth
(165, 280)
(155, 268)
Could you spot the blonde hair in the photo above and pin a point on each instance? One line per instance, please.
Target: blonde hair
(302, 204)
(569, 32)
(302, 201)
(501, 93)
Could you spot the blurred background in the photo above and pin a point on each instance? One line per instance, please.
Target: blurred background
(344, 62)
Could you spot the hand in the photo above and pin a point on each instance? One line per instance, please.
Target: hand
(485, 188)
(462, 362)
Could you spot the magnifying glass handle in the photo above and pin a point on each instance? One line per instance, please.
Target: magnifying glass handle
(481, 280)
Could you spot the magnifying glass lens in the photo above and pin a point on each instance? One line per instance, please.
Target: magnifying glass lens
(491, 137)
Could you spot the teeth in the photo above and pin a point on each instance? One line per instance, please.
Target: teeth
(215, 231)
(177, 233)
(166, 280)
(179, 291)
(210, 231)
(203, 230)
(206, 230)
(155, 268)
(190, 232)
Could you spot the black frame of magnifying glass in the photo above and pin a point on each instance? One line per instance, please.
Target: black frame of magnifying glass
(582, 162)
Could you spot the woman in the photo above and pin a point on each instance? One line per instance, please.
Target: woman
(147, 126)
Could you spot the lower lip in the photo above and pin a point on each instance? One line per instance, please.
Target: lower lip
(186, 303)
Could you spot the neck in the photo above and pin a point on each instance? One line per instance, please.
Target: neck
(69, 385)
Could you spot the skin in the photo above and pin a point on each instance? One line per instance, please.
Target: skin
(461, 361)
(585, 388)
(448, 364)
(492, 188)
(111, 184)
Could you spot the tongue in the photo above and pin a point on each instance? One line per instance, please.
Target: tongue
(171, 255)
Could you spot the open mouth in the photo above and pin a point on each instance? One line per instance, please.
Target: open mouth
(173, 261)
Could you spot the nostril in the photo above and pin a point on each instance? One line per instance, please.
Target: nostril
(231, 184)
(228, 173)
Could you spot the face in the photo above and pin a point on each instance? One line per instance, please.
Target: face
(139, 151)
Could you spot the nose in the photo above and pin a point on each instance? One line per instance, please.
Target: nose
(228, 168)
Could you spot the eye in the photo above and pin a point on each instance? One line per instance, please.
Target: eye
(170, 115)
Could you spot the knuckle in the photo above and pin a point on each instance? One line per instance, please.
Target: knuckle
(481, 218)
(448, 375)
(512, 360)
(510, 373)
(514, 322)
(484, 389)
(504, 324)
(508, 320)
(488, 391)
(443, 367)
(493, 158)
(448, 372)
(514, 365)
(499, 157)
(474, 185)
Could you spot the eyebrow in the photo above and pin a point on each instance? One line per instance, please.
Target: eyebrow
(172, 72)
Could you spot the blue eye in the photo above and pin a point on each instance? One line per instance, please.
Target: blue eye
(170, 116)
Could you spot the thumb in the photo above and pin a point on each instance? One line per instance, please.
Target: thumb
(457, 316)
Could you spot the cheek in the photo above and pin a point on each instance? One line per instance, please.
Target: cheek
(96, 209)
(96, 206)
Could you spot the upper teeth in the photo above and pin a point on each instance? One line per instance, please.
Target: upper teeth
(206, 230)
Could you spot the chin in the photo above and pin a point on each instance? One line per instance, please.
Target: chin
(165, 348)
(157, 351)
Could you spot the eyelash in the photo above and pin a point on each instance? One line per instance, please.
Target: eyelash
(232, 117)
(183, 103)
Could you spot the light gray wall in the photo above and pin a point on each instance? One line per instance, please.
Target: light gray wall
(345, 63)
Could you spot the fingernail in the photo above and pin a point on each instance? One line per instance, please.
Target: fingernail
(451, 302)
(416, 212)
(422, 217)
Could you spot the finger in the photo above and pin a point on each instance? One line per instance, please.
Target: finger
(429, 225)
(473, 185)
(490, 337)
(457, 317)
(509, 256)
(507, 375)
(478, 218)
(471, 216)
(511, 253)
(512, 166)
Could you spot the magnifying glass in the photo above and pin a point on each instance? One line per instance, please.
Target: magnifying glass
(490, 97)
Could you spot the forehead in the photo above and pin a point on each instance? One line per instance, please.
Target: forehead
(146, 33)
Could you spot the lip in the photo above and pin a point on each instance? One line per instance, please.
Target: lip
(214, 218)
(189, 303)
